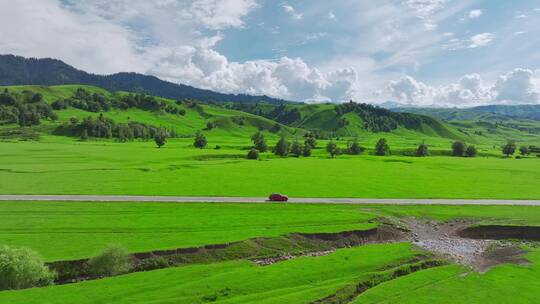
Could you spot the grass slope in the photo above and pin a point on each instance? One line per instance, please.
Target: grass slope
(300, 280)
(455, 284)
(64, 231)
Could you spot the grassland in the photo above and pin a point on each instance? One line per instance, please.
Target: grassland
(62, 230)
(297, 281)
(138, 168)
(65, 231)
(455, 284)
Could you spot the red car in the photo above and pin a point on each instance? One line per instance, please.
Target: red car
(276, 197)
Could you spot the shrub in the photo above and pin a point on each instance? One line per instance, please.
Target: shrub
(382, 148)
(218, 147)
(156, 262)
(355, 148)
(471, 151)
(332, 149)
(253, 154)
(200, 140)
(296, 149)
(210, 125)
(112, 261)
(422, 150)
(259, 142)
(458, 148)
(307, 151)
(282, 147)
(160, 138)
(524, 150)
(509, 149)
(22, 268)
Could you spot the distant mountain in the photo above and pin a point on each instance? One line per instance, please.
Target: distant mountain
(16, 70)
(481, 113)
(391, 105)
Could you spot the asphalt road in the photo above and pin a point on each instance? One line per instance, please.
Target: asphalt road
(211, 199)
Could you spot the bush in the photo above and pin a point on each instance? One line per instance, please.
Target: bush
(218, 147)
(253, 154)
(509, 149)
(471, 151)
(458, 148)
(296, 149)
(382, 148)
(112, 261)
(23, 268)
(355, 148)
(422, 150)
(200, 140)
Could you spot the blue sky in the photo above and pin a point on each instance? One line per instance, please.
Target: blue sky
(419, 52)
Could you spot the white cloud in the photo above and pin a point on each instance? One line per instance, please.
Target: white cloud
(476, 13)
(520, 86)
(481, 40)
(291, 11)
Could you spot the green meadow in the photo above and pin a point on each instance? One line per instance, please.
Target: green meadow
(139, 168)
(64, 230)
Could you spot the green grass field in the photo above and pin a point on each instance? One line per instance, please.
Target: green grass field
(63, 230)
(139, 168)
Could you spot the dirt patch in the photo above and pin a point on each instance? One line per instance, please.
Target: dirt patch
(460, 243)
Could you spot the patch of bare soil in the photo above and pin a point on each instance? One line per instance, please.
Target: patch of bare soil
(445, 239)
(277, 259)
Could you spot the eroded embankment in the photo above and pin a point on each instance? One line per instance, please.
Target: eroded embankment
(263, 251)
(499, 232)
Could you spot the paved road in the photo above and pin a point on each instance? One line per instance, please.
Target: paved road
(210, 199)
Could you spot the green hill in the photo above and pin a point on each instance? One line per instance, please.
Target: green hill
(71, 103)
(79, 111)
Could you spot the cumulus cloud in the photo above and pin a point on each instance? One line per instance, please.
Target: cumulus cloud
(476, 13)
(520, 86)
(287, 77)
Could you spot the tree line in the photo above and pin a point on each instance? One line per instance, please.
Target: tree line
(97, 102)
(25, 109)
(103, 127)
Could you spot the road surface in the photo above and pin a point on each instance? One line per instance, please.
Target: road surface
(212, 199)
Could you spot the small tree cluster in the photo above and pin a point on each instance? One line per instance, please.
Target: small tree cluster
(460, 149)
(284, 148)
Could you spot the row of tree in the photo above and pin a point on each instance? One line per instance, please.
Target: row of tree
(96, 102)
(107, 128)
